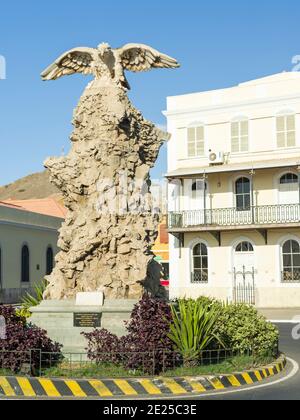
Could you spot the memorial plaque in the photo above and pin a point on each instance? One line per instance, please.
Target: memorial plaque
(87, 320)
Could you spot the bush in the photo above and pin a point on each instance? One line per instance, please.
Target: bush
(148, 338)
(15, 349)
(242, 328)
(146, 347)
(103, 346)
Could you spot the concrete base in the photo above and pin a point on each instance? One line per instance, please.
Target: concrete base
(57, 318)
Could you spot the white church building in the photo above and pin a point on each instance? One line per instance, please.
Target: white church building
(234, 196)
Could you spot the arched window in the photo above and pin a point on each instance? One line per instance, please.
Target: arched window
(244, 258)
(244, 247)
(291, 261)
(286, 130)
(196, 141)
(289, 189)
(240, 135)
(289, 179)
(243, 194)
(25, 265)
(49, 261)
(200, 264)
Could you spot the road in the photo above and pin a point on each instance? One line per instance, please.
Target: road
(287, 390)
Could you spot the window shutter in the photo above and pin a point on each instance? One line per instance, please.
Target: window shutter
(196, 142)
(290, 123)
(291, 139)
(240, 136)
(191, 142)
(286, 131)
(280, 140)
(280, 124)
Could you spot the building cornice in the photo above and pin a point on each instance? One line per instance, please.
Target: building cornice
(28, 226)
(25, 219)
(232, 105)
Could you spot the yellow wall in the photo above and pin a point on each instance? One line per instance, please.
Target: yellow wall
(161, 249)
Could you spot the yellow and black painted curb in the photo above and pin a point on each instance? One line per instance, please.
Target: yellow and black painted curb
(111, 388)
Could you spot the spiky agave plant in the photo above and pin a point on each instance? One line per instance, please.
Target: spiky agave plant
(34, 299)
(194, 328)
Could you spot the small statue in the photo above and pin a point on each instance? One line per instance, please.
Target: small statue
(107, 63)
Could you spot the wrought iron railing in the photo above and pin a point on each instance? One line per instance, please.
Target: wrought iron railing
(290, 276)
(257, 215)
(244, 286)
(199, 277)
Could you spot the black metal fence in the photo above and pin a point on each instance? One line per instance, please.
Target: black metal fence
(244, 286)
(118, 364)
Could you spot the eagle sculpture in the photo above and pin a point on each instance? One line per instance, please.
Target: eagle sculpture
(107, 63)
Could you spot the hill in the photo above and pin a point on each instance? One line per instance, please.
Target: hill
(33, 186)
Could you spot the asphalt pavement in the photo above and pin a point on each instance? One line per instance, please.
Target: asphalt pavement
(286, 390)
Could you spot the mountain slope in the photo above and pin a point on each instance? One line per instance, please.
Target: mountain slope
(33, 186)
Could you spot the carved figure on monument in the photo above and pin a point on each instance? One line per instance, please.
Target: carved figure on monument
(110, 227)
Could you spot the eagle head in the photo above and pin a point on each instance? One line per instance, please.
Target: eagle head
(104, 48)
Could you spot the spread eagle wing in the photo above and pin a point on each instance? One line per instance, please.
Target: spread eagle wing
(77, 60)
(140, 57)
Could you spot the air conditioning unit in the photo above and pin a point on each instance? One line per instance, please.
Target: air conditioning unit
(216, 158)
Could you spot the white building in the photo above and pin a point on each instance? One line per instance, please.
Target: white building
(28, 244)
(234, 199)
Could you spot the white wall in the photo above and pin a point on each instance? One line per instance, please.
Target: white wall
(280, 92)
(260, 101)
(17, 229)
(270, 291)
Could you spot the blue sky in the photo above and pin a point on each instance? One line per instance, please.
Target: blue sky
(219, 43)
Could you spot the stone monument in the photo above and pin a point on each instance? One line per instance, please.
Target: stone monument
(110, 227)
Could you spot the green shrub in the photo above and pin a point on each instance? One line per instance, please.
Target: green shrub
(242, 328)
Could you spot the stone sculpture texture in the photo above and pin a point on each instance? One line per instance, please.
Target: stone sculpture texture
(110, 228)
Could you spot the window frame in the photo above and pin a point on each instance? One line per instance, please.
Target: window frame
(196, 142)
(243, 194)
(249, 250)
(295, 177)
(285, 268)
(202, 268)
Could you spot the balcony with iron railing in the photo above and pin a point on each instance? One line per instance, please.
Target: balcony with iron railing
(226, 218)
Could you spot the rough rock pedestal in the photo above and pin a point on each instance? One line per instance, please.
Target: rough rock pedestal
(110, 227)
